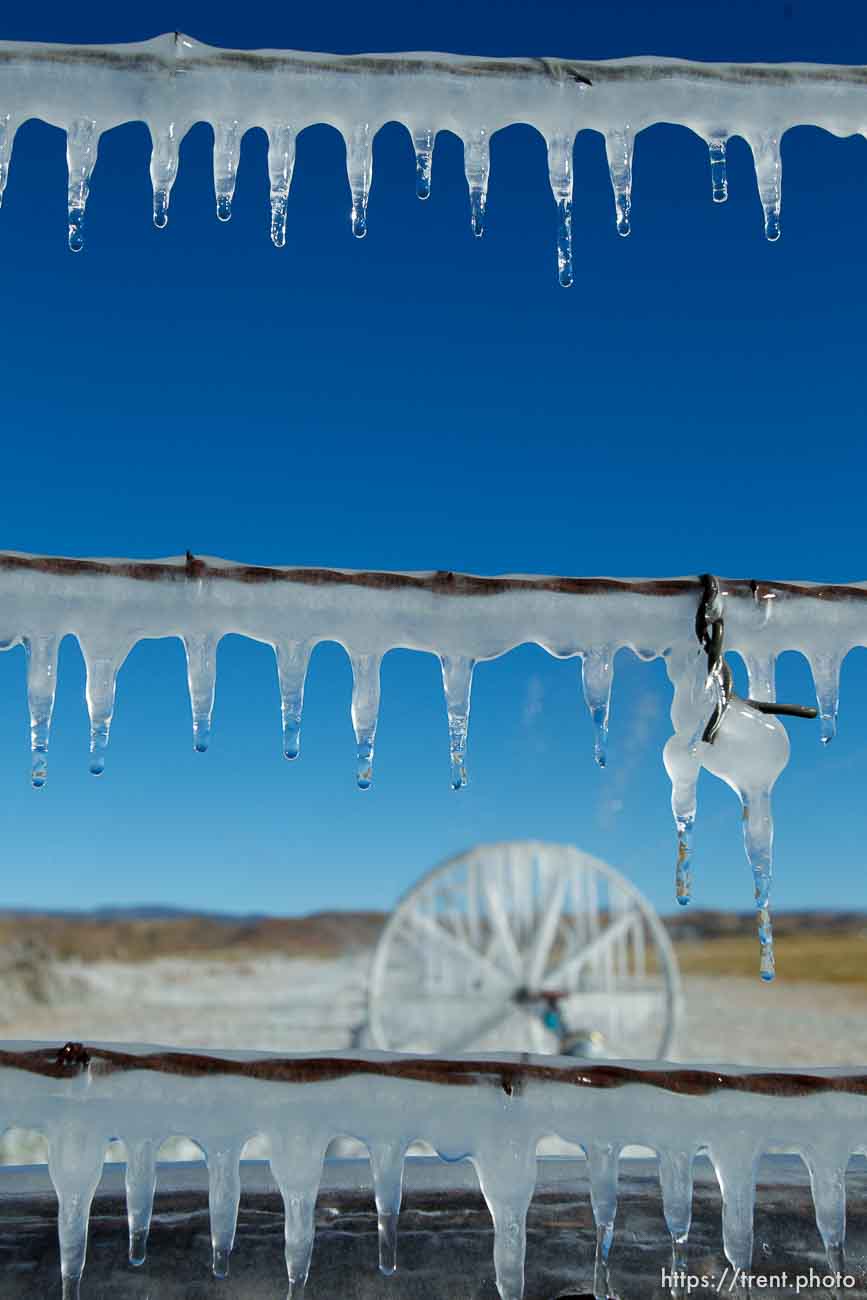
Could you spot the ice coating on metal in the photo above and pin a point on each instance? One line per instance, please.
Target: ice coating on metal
(174, 81)
(109, 605)
(492, 1110)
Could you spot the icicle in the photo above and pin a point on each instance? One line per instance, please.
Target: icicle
(828, 1182)
(618, 147)
(82, 141)
(749, 751)
(165, 144)
(224, 1196)
(769, 170)
(477, 166)
(281, 164)
(683, 865)
(507, 1177)
(386, 1162)
(296, 1163)
(560, 175)
(719, 185)
(603, 1158)
(75, 1159)
(826, 678)
(597, 672)
(423, 141)
(292, 660)
(675, 1178)
(735, 1165)
(758, 842)
(365, 711)
(457, 684)
(41, 686)
(7, 135)
(761, 674)
(359, 169)
(201, 654)
(140, 1184)
(683, 768)
(102, 669)
(227, 152)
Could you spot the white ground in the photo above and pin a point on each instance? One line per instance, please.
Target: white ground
(278, 1004)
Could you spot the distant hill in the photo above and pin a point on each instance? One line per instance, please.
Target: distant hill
(143, 933)
(703, 938)
(689, 924)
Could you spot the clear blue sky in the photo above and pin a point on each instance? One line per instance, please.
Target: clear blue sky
(419, 400)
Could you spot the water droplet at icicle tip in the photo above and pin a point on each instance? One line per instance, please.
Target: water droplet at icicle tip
(772, 225)
(39, 769)
(359, 217)
(364, 765)
(387, 1230)
(98, 746)
(292, 739)
(623, 207)
(201, 735)
(767, 964)
(138, 1248)
(224, 207)
(76, 230)
(161, 209)
(220, 1262)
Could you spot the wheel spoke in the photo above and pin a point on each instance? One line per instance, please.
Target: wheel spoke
(547, 930)
(469, 1035)
(573, 963)
(502, 929)
(427, 927)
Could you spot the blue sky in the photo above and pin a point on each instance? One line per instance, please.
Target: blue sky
(419, 400)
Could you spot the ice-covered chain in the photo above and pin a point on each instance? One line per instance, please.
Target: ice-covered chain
(173, 81)
(710, 630)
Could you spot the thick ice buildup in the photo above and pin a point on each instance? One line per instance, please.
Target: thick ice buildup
(174, 81)
(492, 1110)
(109, 605)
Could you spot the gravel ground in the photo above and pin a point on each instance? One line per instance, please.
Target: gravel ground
(278, 1004)
(743, 1021)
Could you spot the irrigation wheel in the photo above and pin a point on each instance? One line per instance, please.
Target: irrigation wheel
(482, 945)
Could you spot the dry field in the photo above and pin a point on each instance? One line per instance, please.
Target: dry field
(820, 957)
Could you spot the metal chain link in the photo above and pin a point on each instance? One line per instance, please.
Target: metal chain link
(710, 630)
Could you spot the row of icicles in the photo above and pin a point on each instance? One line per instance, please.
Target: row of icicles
(597, 670)
(76, 1166)
(293, 660)
(83, 140)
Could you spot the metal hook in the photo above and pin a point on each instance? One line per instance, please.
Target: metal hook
(710, 630)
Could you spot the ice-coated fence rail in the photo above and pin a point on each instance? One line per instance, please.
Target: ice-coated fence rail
(110, 605)
(173, 81)
(492, 1110)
